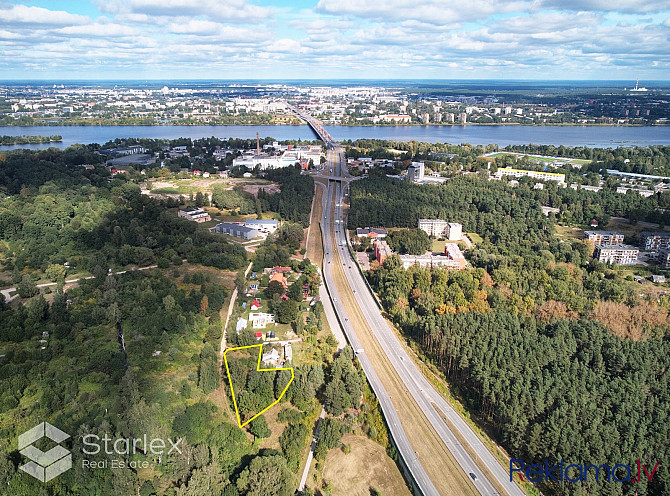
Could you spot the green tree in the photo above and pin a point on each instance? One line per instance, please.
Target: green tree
(274, 288)
(287, 311)
(55, 272)
(27, 288)
(259, 427)
(267, 476)
(208, 374)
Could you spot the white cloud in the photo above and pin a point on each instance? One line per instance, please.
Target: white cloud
(340, 38)
(97, 30)
(224, 10)
(23, 14)
(428, 11)
(628, 6)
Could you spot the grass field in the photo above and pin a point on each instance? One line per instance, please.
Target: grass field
(344, 473)
(437, 246)
(542, 158)
(568, 232)
(474, 237)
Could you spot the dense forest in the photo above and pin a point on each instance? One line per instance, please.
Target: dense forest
(59, 212)
(294, 201)
(536, 336)
(136, 352)
(641, 160)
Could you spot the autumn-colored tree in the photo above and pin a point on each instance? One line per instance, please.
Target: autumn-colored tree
(204, 305)
(553, 310)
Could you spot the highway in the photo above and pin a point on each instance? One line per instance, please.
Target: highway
(431, 402)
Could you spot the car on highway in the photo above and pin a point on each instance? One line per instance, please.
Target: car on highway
(473, 476)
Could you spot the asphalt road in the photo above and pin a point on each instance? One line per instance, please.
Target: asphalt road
(426, 396)
(431, 402)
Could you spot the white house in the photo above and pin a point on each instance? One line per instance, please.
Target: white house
(271, 357)
(260, 320)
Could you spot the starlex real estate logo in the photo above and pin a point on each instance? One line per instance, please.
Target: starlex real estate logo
(44, 466)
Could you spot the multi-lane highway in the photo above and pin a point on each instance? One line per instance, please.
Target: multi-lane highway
(430, 402)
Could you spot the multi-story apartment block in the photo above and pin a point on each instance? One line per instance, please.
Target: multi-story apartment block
(618, 254)
(453, 253)
(415, 172)
(382, 250)
(454, 231)
(604, 237)
(654, 241)
(541, 175)
(663, 258)
(433, 227)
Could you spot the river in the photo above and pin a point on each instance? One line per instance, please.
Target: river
(591, 136)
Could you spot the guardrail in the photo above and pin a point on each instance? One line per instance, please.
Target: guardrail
(407, 473)
(360, 270)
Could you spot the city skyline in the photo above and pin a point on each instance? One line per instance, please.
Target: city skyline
(151, 39)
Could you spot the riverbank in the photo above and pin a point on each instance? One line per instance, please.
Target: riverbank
(29, 140)
(590, 136)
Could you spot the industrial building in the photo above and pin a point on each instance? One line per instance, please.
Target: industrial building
(194, 214)
(237, 230)
(268, 226)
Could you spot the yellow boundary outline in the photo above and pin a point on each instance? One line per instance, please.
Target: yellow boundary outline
(258, 369)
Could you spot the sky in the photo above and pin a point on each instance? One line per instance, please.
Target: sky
(326, 39)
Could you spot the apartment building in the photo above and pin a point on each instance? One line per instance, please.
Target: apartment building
(434, 227)
(663, 258)
(540, 175)
(604, 237)
(415, 172)
(382, 250)
(618, 254)
(654, 241)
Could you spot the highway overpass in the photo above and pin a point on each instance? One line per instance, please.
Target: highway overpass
(467, 449)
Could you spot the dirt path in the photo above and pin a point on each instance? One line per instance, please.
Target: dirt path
(231, 305)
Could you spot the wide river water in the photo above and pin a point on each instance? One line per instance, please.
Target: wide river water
(591, 136)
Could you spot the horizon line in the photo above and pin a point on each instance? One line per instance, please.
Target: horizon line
(331, 79)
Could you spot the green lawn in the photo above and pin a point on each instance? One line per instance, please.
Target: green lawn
(474, 237)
